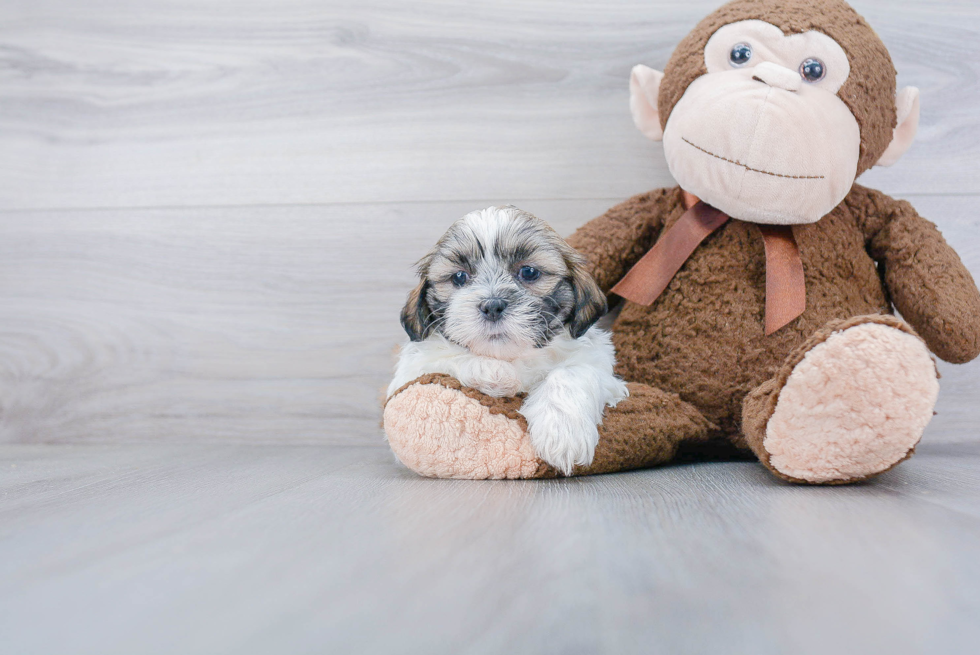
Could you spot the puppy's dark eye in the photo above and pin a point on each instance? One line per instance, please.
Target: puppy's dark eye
(740, 54)
(528, 273)
(812, 70)
(460, 278)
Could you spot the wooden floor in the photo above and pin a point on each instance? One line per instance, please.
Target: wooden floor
(209, 213)
(221, 548)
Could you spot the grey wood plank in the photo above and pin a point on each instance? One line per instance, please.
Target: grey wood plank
(148, 493)
(157, 103)
(243, 549)
(257, 325)
(947, 477)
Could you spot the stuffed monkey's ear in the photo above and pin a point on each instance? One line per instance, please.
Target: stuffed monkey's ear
(644, 89)
(590, 302)
(416, 314)
(907, 108)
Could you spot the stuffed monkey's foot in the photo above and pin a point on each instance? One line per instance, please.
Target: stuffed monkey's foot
(439, 428)
(852, 402)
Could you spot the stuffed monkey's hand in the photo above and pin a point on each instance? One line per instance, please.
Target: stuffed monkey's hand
(927, 281)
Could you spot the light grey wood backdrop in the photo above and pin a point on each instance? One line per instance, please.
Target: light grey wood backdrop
(209, 210)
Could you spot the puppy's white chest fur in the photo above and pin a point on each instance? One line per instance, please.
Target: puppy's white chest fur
(569, 383)
(500, 377)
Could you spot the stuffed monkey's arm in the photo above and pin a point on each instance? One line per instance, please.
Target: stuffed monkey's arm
(620, 237)
(928, 283)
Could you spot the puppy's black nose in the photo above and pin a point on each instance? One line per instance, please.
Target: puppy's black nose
(493, 308)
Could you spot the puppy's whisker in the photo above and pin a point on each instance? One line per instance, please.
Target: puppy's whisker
(438, 323)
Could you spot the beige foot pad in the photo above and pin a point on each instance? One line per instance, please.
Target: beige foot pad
(440, 429)
(855, 405)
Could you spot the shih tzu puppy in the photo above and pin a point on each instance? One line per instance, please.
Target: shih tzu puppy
(504, 305)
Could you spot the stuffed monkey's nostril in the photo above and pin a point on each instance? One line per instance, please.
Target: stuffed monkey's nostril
(777, 76)
(493, 308)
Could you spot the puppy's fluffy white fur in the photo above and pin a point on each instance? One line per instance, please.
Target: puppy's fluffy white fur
(569, 381)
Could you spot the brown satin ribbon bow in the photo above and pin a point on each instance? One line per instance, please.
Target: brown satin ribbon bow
(785, 284)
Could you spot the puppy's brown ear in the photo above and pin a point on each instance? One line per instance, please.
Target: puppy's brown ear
(590, 302)
(416, 314)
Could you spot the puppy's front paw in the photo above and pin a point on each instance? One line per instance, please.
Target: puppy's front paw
(560, 437)
(494, 377)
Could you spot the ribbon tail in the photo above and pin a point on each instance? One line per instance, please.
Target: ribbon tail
(648, 278)
(785, 280)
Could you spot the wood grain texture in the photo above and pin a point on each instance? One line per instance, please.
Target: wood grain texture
(257, 325)
(243, 102)
(242, 549)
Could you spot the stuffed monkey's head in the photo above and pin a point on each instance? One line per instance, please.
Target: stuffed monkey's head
(769, 110)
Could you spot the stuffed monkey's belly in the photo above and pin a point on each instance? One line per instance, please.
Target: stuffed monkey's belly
(704, 337)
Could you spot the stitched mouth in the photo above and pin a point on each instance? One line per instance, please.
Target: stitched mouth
(749, 168)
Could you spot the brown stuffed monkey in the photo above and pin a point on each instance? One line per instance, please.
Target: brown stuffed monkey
(759, 293)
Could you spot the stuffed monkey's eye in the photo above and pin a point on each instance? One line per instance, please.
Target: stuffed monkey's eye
(460, 277)
(740, 54)
(812, 70)
(528, 273)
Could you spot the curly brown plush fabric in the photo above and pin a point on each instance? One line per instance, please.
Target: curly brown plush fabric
(872, 75)
(704, 337)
